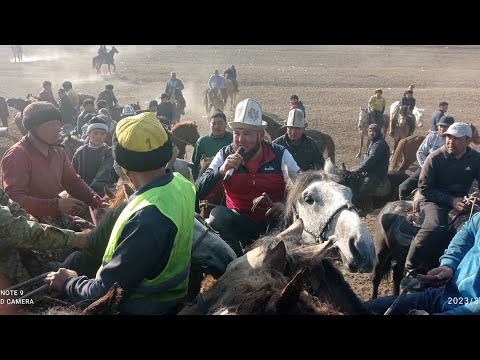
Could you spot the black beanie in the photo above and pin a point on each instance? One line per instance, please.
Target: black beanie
(38, 113)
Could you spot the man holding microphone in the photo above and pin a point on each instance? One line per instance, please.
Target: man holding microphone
(246, 169)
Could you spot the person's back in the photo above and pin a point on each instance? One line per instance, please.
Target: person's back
(154, 231)
(295, 103)
(72, 94)
(66, 108)
(166, 110)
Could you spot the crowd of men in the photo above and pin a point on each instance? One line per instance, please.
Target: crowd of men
(157, 237)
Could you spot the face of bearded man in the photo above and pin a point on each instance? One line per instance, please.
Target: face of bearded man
(250, 140)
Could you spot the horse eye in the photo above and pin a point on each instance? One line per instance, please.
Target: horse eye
(308, 199)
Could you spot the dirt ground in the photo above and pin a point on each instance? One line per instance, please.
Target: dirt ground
(332, 81)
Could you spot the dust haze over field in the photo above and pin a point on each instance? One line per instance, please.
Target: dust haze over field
(332, 81)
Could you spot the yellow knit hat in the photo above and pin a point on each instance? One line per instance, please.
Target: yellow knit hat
(141, 143)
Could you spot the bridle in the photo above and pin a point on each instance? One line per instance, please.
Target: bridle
(319, 236)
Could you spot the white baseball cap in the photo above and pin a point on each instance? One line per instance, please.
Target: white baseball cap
(459, 129)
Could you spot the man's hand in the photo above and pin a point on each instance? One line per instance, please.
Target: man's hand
(232, 161)
(58, 279)
(461, 204)
(437, 277)
(80, 242)
(276, 210)
(98, 203)
(70, 205)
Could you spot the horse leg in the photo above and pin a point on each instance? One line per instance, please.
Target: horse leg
(361, 145)
(382, 267)
(109, 71)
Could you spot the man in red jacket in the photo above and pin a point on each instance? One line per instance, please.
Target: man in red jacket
(36, 169)
(262, 168)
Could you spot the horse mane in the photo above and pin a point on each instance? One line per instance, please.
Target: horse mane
(184, 125)
(295, 192)
(204, 164)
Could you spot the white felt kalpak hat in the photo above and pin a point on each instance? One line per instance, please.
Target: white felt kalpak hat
(296, 118)
(248, 115)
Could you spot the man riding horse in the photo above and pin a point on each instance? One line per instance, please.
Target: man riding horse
(174, 89)
(409, 101)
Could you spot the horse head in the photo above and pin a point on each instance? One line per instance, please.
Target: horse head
(419, 113)
(17, 103)
(363, 118)
(186, 131)
(325, 208)
(403, 114)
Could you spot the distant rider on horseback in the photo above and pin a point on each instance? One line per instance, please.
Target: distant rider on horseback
(409, 101)
(377, 103)
(103, 52)
(217, 81)
(174, 89)
(231, 74)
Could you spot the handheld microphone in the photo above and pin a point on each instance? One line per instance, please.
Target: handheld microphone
(240, 151)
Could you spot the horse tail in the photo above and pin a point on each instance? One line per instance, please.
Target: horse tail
(330, 148)
(93, 62)
(205, 101)
(397, 155)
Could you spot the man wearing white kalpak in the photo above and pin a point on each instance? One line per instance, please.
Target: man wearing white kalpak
(261, 168)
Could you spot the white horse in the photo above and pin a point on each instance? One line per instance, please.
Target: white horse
(324, 219)
(417, 112)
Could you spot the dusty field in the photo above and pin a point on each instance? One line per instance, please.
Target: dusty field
(332, 81)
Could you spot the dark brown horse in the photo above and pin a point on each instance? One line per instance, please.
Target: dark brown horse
(277, 277)
(185, 133)
(324, 141)
(99, 60)
(393, 234)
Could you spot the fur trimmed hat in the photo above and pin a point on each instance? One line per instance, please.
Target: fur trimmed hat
(140, 143)
(38, 113)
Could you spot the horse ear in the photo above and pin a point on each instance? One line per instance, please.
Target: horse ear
(285, 302)
(329, 167)
(295, 229)
(276, 258)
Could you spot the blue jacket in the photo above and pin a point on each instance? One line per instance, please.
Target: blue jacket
(462, 292)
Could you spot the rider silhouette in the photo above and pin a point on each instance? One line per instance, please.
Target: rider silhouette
(102, 51)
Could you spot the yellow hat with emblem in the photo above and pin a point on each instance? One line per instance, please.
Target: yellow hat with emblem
(141, 143)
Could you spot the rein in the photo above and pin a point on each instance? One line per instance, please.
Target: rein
(320, 236)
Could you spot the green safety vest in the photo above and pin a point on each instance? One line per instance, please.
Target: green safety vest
(175, 200)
